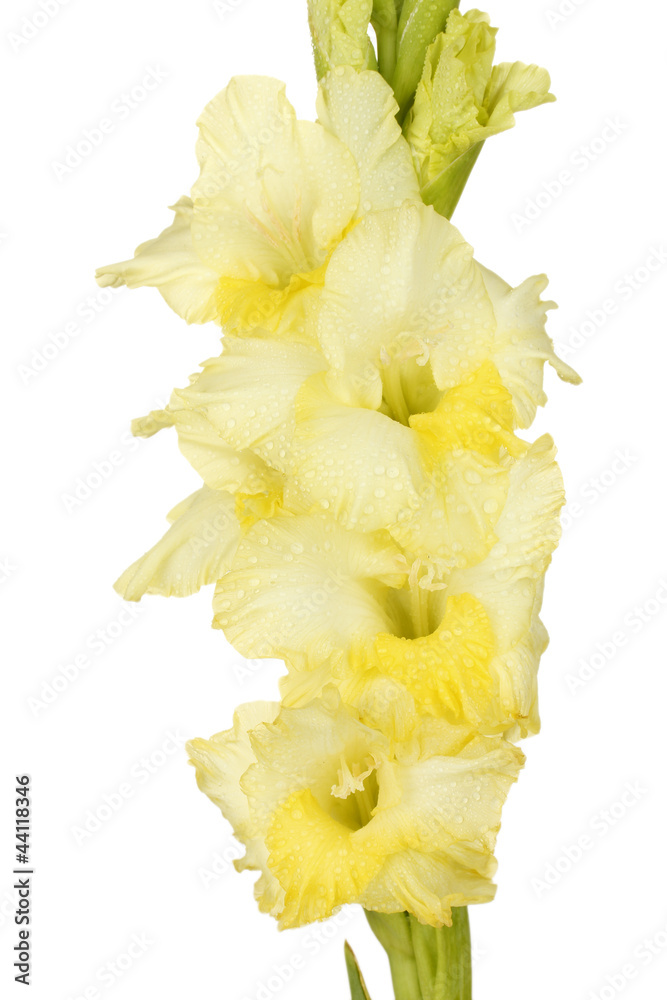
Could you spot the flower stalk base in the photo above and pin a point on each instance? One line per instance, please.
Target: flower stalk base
(427, 963)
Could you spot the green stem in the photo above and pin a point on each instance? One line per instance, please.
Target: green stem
(393, 932)
(385, 26)
(427, 963)
(386, 52)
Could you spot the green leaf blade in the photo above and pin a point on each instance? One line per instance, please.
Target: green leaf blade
(357, 984)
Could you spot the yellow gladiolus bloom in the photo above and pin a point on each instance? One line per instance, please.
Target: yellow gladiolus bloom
(347, 606)
(332, 812)
(400, 414)
(368, 511)
(274, 197)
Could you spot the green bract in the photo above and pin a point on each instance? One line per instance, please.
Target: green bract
(420, 22)
(339, 29)
(461, 100)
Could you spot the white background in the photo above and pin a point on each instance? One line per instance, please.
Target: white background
(558, 928)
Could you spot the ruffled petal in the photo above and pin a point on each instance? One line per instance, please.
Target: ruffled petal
(477, 415)
(508, 582)
(197, 549)
(521, 344)
(322, 748)
(429, 885)
(307, 791)
(447, 672)
(171, 264)
(347, 816)
(514, 87)
(220, 764)
(320, 863)
(442, 804)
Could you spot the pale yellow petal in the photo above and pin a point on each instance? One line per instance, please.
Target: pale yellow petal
(220, 465)
(429, 885)
(360, 109)
(508, 582)
(309, 791)
(476, 415)
(197, 549)
(305, 583)
(455, 523)
(322, 748)
(320, 863)
(273, 196)
(514, 87)
(447, 672)
(220, 764)
(402, 281)
(360, 465)
(248, 394)
(521, 344)
(171, 264)
(444, 809)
